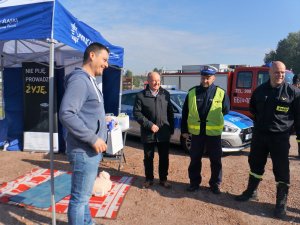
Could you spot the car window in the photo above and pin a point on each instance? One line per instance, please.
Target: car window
(262, 77)
(128, 99)
(179, 99)
(289, 77)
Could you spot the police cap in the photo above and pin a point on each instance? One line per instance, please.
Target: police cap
(207, 71)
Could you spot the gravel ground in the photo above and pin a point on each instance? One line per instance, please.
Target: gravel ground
(160, 206)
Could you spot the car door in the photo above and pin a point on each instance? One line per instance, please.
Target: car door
(127, 104)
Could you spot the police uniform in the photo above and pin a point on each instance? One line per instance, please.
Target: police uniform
(275, 111)
(202, 116)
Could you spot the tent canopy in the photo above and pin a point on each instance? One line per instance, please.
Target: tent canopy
(27, 31)
(34, 22)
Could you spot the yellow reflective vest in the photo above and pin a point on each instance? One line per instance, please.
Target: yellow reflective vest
(214, 120)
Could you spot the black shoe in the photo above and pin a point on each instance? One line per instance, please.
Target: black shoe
(215, 189)
(246, 196)
(165, 184)
(193, 188)
(281, 200)
(147, 184)
(279, 213)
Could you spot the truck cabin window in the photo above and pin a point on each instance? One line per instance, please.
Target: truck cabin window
(263, 76)
(244, 79)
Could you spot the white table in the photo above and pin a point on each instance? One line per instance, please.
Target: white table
(119, 156)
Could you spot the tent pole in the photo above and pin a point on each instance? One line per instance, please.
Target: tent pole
(51, 123)
(2, 78)
(121, 90)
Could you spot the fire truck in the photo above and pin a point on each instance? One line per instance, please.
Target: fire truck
(239, 82)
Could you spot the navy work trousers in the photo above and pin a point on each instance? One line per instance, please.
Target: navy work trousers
(212, 146)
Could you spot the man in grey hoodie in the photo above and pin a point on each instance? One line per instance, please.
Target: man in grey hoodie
(82, 114)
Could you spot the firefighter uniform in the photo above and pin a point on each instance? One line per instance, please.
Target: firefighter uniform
(275, 110)
(202, 116)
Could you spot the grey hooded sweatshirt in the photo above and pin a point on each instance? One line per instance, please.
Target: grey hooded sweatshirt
(82, 112)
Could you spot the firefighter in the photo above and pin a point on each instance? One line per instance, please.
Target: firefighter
(275, 106)
(202, 117)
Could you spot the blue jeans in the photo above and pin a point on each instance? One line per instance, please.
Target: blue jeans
(84, 172)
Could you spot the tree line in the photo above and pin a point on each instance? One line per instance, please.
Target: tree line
(287, 51)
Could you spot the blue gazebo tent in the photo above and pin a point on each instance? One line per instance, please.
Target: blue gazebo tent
(43, 30)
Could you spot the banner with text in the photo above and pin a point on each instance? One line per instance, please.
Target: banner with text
(36, 108)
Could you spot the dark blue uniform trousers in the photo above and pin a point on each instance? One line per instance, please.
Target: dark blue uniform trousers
(212, 146)
(278, 146)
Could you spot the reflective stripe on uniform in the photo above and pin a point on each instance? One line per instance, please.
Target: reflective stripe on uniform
(256, 175)
(214, 127)
(281, 182)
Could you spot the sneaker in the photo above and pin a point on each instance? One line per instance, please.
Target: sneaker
(165, 184)
(147, 184)
(215, 189)
(193, 188)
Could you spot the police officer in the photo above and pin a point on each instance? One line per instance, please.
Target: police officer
(202, 116)
(296, 83)
(275, 106)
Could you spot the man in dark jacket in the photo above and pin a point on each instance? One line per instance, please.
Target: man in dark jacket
(296, 83)
(153, 111)
(275, 106)
(203, 117)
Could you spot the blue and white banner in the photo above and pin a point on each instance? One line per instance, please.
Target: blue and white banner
(26, 21)
(74, 33)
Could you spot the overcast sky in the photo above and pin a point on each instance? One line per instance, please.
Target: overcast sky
(169, 34)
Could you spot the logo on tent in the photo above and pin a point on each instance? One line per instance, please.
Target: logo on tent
(76, 36)
(8, 22)
(113, 55)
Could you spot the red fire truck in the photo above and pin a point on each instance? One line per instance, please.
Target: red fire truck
(238, 83)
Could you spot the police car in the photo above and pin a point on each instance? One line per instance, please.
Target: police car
(237, 132)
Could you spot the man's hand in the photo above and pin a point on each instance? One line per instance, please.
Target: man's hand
(154, 128)
(99, 146)
(108, 119)
(185, 135)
